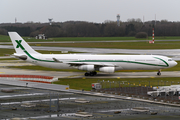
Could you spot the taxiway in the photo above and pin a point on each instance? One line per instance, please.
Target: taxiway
(62, 74)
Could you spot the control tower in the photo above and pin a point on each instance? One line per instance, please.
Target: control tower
(118, 20)
(50, 21)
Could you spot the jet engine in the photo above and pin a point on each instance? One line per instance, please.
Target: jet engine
(107, 69)
(87, 67)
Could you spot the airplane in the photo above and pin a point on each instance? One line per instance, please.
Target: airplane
(88, 62)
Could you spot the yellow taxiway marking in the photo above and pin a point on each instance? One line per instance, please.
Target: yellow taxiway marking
(2, 72)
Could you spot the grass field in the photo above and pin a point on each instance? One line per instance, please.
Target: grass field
(84, 83)
(119, 45)
(3, 52)
(4, 38)
(4, 59)
(103, 38)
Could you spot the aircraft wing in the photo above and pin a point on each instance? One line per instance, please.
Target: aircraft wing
(85, 63)
(91, 63)
(22, 57)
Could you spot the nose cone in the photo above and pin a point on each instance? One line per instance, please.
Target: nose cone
(173, 63)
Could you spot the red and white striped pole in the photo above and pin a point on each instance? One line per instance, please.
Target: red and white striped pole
(153, 35)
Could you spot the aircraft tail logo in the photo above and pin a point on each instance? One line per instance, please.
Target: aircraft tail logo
(20, 44)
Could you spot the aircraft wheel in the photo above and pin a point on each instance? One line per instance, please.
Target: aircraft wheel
(159, 73)
(95, 73)
(86, 74)
(92, 74)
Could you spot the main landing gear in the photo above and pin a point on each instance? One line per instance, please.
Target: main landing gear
(90, 73)
(159, 73)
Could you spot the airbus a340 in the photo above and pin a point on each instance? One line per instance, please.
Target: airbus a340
(89, 63)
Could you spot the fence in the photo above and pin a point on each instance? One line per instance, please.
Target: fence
(139, 89)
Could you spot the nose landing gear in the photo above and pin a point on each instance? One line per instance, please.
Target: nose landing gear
(159, 73)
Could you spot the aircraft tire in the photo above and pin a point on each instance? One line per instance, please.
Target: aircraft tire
(159, 74)
(95, 73)
(86, 74)
(92, 74)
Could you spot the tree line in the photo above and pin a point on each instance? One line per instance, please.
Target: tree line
(86, 29)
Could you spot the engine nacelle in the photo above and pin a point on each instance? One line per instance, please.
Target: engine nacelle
(87, 67)
(107, 69)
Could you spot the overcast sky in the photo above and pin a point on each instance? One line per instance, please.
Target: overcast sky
(87, 10)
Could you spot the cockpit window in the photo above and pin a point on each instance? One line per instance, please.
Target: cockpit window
(170, 60)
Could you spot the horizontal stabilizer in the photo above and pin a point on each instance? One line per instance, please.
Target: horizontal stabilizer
(22, 57)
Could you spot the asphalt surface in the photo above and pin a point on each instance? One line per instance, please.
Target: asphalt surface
(62, 74)
(52, 105)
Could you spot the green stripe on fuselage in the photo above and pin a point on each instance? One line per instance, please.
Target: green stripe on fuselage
(167, 65)
(36, 58)
(163, 61)
(126, 62)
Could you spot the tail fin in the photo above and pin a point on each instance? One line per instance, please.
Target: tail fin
(20, 44)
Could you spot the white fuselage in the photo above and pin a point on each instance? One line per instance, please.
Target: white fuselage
(121, 62)
(90, 63)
